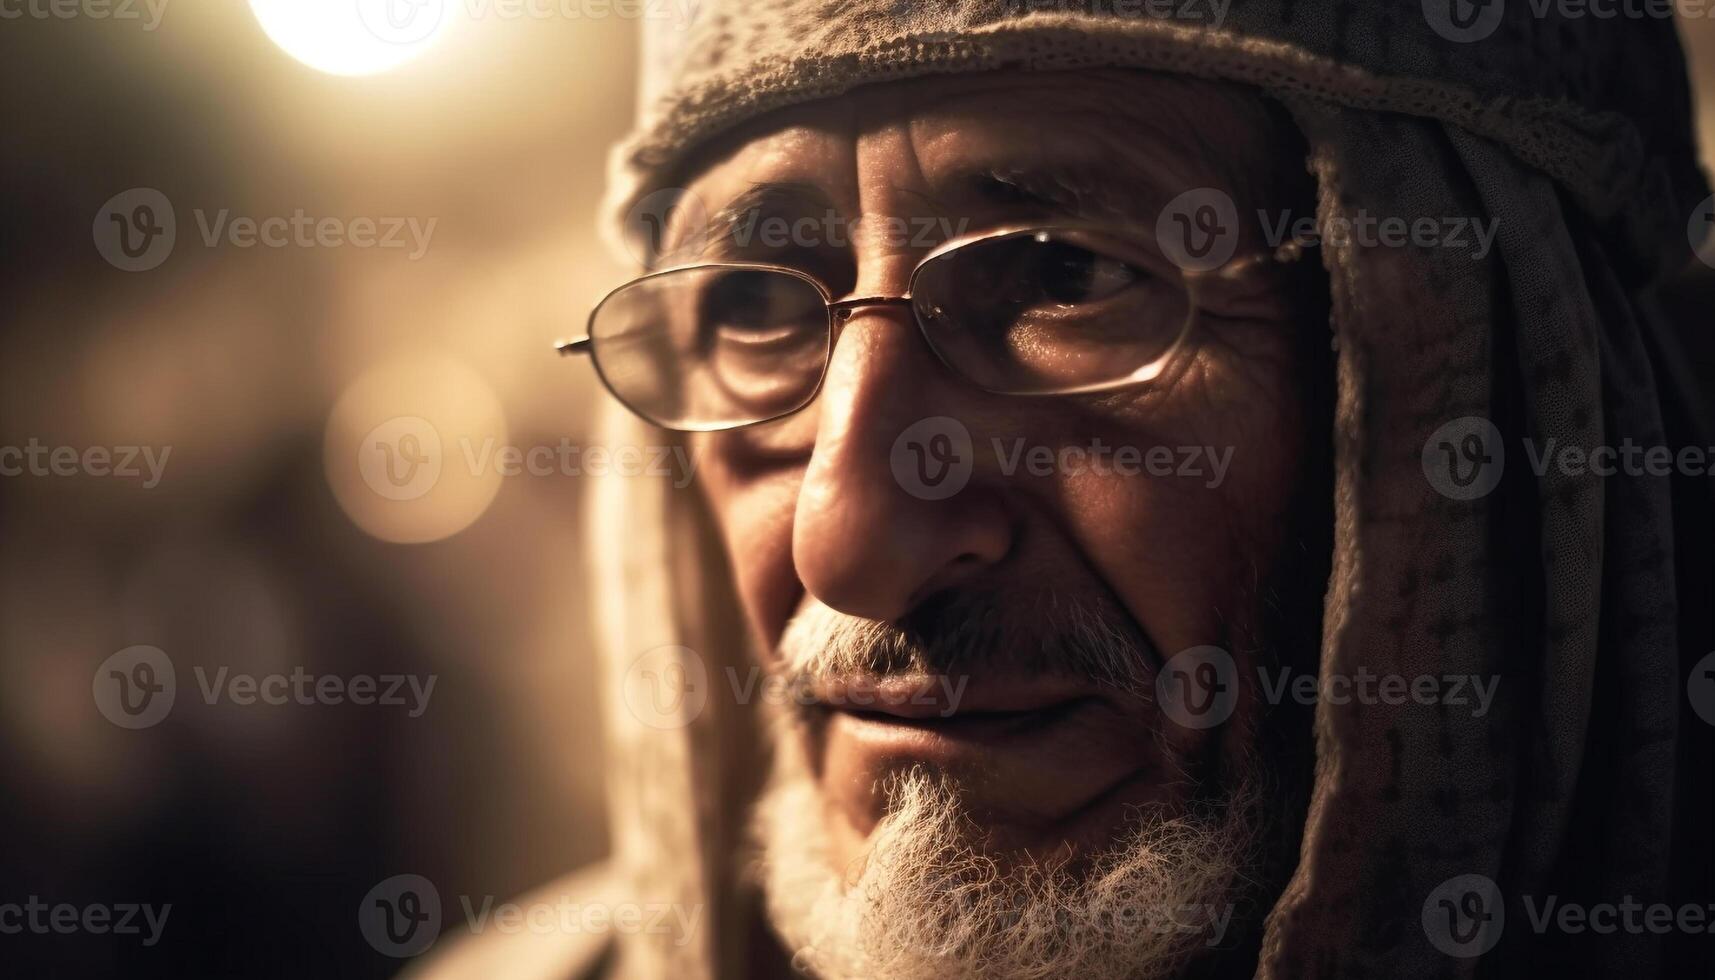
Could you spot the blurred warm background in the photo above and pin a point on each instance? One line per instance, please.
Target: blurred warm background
(265, 825)
(261, 549)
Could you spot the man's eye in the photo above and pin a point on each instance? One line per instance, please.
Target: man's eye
(751, 336)
(739, 302)
(760, 311)
(752, 302)
(1070, 275)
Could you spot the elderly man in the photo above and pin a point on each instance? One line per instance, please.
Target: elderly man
(1137, 532)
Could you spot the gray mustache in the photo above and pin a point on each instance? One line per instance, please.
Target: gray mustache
(971, 634)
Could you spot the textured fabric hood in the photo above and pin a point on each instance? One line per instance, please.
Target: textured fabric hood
(1587, 596)
(1599, 104)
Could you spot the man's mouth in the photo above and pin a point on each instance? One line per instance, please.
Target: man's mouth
(970, 726)
(1032, 756)
(953, 708)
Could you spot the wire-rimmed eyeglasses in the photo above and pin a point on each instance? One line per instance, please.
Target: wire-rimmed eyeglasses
(1018, 311)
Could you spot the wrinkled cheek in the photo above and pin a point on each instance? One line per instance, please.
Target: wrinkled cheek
(1193, 511)
(1235, 427)
(753, 508)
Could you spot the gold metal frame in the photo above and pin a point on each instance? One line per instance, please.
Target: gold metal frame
(840, 310)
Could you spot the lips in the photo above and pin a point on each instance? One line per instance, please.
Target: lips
(928, 698)
(972, 727)
(1034, 758)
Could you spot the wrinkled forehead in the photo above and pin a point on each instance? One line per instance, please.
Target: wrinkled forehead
(1090, 144)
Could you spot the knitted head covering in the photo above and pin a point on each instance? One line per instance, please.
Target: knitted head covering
(1586, 595)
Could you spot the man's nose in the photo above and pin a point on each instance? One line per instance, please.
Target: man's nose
(893, 507)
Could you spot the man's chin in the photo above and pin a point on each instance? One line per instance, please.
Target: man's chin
(932, 891)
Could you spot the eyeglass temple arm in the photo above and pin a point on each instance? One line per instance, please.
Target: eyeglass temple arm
(567, 348)
(1286, 254)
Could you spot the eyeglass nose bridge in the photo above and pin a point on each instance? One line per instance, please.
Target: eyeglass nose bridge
(843, 310)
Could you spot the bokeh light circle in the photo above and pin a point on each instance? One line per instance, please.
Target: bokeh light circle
(354, 37)
(410, 449)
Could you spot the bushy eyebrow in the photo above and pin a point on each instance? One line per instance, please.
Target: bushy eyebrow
(762, 199)
(1084, 192)
(1081, 192)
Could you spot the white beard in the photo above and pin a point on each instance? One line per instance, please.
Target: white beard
(924, 902)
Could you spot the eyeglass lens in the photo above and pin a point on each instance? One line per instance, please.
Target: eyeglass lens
(1032, 312)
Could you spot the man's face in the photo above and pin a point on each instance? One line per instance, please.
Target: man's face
(995, 650)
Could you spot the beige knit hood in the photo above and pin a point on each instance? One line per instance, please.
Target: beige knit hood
(1588, 595)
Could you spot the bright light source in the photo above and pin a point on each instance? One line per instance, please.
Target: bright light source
(353, 37)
